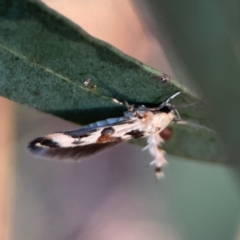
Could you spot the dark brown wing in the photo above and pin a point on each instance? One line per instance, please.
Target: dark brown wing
(73, 153)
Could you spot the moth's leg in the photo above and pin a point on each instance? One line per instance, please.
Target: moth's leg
(129, 107)
(154, 147)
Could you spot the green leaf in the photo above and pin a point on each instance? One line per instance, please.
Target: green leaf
(45, 59)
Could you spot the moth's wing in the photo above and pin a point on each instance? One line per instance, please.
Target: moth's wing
(69, 153)
(85, 141)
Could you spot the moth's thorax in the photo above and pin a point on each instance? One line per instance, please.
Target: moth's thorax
(162, 120)
(154, 121)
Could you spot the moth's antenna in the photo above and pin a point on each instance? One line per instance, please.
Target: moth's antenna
(178, 118)
(168, 100)
(195, 125)
(188, 105)
(173, 96)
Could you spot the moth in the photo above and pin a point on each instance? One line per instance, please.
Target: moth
(137, 122)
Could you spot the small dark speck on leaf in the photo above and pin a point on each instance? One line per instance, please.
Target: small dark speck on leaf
(36, 93)
(93, 87)
(164, 78)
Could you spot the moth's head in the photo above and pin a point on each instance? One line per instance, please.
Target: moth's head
(167, 107)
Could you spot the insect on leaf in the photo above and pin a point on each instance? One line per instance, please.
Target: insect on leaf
(45, 61)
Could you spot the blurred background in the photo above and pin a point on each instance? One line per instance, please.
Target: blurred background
(112, 195)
